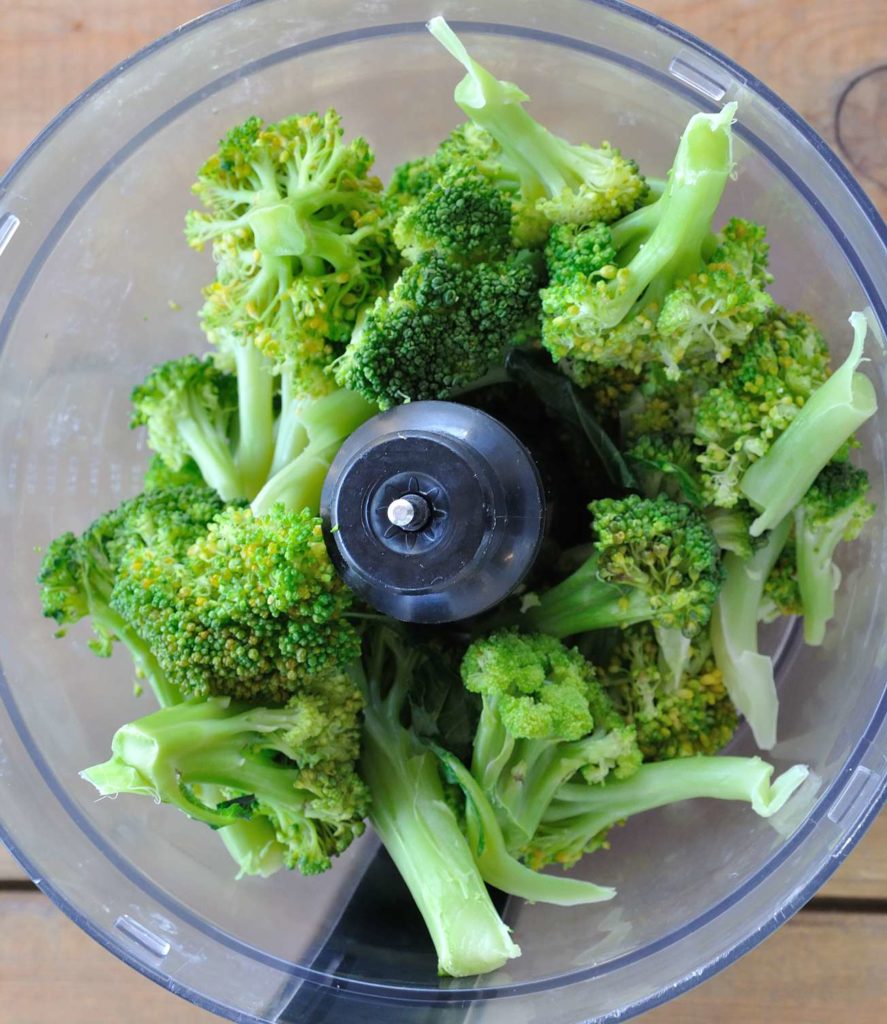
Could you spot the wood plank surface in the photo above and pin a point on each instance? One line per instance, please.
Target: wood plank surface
(827, 60)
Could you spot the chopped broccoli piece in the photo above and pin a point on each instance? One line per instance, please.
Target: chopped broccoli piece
(695, 716)
(189, 407)
(252, 610)
(159, 477)
(763, 389)
(608, 312)
(580, 818)
(834, 509)
(292, 767)
(78, 574)
(569, 183)
(545, 717)
(781, 594)
(778, 481)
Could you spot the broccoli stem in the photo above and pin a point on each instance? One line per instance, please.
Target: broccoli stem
(253, 845)
(328, 421)
(818, 576)
(590, 810)
(255, 417)
(496, 864)
(776, 483)
(421, 833)
(291, 434)
(582, 602)
(675, 648)
(748, 675)
(209, 449)
(106, 620)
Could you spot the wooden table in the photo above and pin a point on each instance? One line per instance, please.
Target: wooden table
(828, 963)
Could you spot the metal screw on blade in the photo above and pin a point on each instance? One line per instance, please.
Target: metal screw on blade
(409, 512)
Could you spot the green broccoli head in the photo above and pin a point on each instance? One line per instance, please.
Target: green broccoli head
(694, 717)
(189, 407)
(159, 476)
(762, 389)
(265, 764)
(666, 464)
(610, 316)
(713, 311)
(544, 719)
(462, 214)
(442, 326)
(253, 610)
(663, 549)
(299, 238)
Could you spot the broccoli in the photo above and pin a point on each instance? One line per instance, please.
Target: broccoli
(414, 818)
(319, 426)
(579, 818)
(442, 327)
(78, 575)
(696, 716)
(761, 391)
(251, 610)
(301, 245)
(189, 407)
(159, 477)
(781, 594)
(666, 464)
(545, 717)
(835, 508)
(659, 263)
(292, 767)
(655, 561)
(778, 481)
(748, 674)
(568, 183)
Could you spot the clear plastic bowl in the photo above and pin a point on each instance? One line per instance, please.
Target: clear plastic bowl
(93, 262)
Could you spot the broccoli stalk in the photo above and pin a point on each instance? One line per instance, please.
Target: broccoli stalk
(327, 422)
(263, 762)
(417, 825)
(834, 509)
(777, 482)
(498, 867)
(748, 675)
(570, 183)
(578, 820)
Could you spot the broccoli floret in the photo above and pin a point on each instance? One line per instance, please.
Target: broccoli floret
(291, 767)
(416, 821)
(252, 610)
(545, 717)
(696, 716)
(761, 391)
(714, 310)
(301, 245)
(189, 407)
(748, 674)
(834, 509)
(666, 464)
(655, 561)
(607, 312)
(159, 477)
(443, 326)
(79, 573)
(568, 183)
(778, 481)
(579, 819)
(781, 594)
(462, 214)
